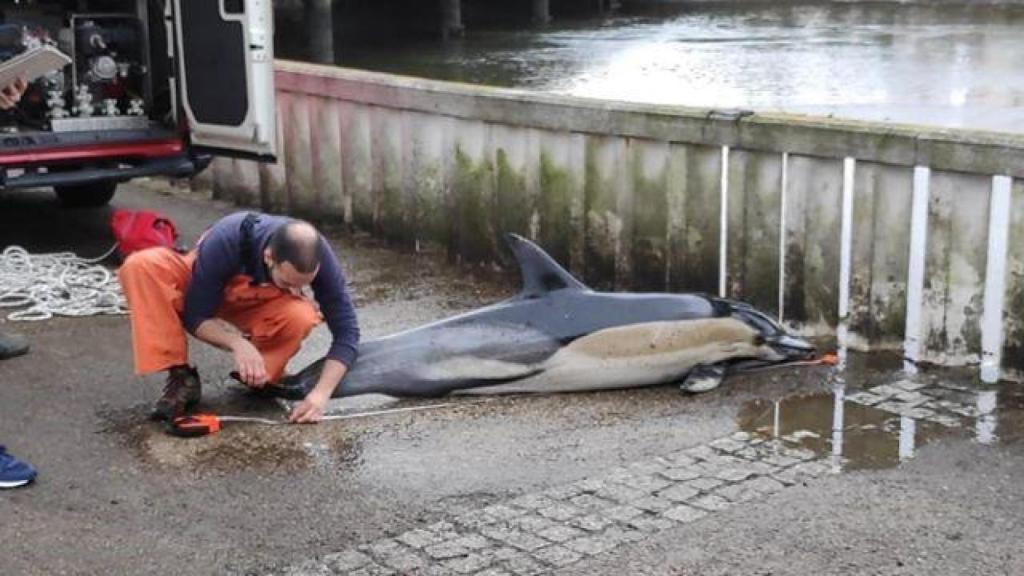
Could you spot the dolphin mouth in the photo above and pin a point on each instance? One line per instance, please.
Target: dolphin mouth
(793, 349)
(797, 345)
(757, 365)
(789, 350)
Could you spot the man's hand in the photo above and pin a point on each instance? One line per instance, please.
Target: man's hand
(248, 360)
(11, 95)
(310, 410)
(249, 363)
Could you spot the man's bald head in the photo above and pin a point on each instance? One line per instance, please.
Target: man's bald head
(297, 243)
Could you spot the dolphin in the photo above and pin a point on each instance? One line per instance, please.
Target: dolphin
(557, 335)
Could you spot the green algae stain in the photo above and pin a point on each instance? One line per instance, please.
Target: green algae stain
(821, 248)
(392, 223)
(555, 209)
(754, 221)
(695, 250)
(514, 205)
(1013, 347)
(650, 227)
(892, 319)
(474, 228)
(795, 301)
(1013, 308)
(427, 204)
(882, 238)
(600, 222)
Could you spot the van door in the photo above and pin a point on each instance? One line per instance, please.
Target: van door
(225, 61)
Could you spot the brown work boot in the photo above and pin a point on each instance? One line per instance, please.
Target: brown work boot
(181, 393)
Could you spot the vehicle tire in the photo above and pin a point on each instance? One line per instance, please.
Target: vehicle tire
(86, 195)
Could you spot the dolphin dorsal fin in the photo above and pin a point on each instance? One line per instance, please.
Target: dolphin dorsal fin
(540, 272)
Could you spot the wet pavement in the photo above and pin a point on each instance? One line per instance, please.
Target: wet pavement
(786, 471)
(787, 442)
(940, 63)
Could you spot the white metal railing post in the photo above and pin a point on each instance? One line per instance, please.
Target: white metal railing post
(723, 240)
(915, 275)
(845, 257)
(782, 237)
(995, 279)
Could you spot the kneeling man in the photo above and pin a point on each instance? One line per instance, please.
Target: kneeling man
(240, 290)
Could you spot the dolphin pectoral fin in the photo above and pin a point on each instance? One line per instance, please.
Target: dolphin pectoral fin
(540, 272)
(702, 378)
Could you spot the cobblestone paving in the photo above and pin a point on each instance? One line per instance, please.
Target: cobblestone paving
(541, 532)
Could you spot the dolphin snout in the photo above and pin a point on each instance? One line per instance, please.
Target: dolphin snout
(792, 347)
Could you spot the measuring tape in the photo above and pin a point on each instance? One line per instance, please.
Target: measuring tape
(205, 424)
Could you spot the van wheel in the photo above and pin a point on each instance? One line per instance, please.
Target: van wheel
(86, 195)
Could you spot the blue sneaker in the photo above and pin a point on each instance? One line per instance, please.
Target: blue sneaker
(14, 472)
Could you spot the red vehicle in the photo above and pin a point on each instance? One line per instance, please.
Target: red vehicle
(155, 87)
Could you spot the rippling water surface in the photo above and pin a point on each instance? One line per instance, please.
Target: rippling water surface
(950, 66)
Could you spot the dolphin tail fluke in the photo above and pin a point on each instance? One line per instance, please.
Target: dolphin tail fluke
(540, 272)
(296, 386)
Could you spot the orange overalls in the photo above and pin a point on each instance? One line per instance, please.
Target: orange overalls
(154, 282)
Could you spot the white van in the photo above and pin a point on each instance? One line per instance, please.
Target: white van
(154, 88)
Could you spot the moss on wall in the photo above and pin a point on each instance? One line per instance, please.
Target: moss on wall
(1013, 307)
(755, 202)
(513, 206)
(555, 208)
(694, 239)
(649, 256)
(602, 223)
(474, 211)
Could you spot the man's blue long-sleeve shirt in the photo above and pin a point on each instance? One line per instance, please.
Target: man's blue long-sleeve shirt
(220, 257)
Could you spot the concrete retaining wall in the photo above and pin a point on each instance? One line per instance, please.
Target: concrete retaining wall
(882, 233)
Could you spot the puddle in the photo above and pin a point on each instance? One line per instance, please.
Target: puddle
(878, 419)
(237, 446)
(278, 450)
(329, 446)
(860, 437)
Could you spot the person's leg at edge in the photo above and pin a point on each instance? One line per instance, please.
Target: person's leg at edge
(13, 472)
(154, 283)
(12, 345)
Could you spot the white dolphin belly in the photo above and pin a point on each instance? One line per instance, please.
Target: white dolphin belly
(636, 355)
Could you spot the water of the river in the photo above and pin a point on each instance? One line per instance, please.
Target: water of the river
(941, 65)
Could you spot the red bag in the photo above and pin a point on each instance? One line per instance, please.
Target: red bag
(143, 229)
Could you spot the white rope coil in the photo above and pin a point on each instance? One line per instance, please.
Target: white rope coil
(58, 284)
